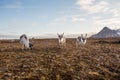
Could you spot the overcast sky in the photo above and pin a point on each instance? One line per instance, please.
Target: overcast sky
(38, 17)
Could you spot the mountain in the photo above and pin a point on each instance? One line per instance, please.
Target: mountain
(106, 33)
(118, 31)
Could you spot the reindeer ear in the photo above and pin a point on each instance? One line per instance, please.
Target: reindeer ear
(63, 34)
(82, 35)
(86, 35)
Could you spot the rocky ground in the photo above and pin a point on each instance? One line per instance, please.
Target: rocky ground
(99, 59)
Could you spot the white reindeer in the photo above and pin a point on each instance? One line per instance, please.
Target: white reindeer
(61, 40)
(81, 40)
(24, 40)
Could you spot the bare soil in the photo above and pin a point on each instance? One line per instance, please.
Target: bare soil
(99, 59)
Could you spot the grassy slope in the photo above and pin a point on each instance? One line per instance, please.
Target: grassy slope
(98, 59)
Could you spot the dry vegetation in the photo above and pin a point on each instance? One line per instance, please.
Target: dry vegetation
(99, 59)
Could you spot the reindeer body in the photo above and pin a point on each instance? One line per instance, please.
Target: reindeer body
(81, 40)
(25, 42)
(61, 40)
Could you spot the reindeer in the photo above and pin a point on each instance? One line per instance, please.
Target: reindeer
(24, 40)
(81, 40)
(61, 40)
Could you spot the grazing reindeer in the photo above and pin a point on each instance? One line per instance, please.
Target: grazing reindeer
(25, 42)
(61, 40)
(81, 40)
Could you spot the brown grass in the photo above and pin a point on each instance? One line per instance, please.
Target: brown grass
(99, 59)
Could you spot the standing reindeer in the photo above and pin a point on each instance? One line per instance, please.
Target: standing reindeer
(81, 40)
(24, 40)
(61, 40)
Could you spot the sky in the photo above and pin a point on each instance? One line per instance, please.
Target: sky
(40, 17)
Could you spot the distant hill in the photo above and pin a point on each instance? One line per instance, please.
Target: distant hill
(118, 31)
(106, 33)
(5, 36)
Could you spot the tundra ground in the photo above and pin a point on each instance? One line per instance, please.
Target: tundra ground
(99, 59)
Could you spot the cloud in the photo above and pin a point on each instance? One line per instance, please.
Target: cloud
(13, 6)
(84, 2)
(110, 21)
(107, 14)
(42, 17)
(96, 17)
(91, 6)
(115, 12)
(57, 21)
(13, 23)
(34, 24)
(16, 5)
(77, 19)
(62, 19)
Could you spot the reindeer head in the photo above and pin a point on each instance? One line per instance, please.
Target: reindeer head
(83, 37)
(24, 35)
(60, 36)
(24, 40)
(61, 39)
(30, 45)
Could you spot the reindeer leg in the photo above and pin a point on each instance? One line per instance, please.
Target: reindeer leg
(64, 44)
(24, 47)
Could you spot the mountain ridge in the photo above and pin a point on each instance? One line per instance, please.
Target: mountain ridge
(106, 32)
